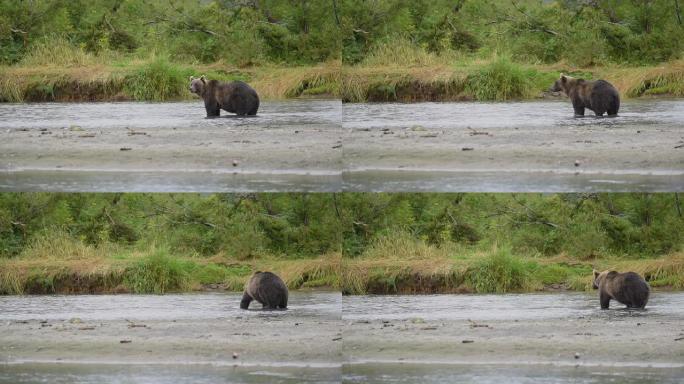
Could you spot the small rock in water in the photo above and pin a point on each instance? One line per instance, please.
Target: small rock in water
(125, 149)
(235, 355)
(235, 163)
(577, 355)
(467, 149)
(75, 320)
(75, 128)
(125, 341)
(467, 341)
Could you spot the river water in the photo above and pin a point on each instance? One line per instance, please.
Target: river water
(323, 145)
(535, 146)
(183, 338)
(292, 145)
(178, 338)
(512, 338)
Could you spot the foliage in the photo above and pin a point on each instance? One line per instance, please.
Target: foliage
(579, 32)
(499, 272)
(157, 273)
(360, 242)
(238, 32)
(501, 80)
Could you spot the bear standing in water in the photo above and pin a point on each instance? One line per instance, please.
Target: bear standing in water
(599, 96)
(266, 288)
(628, 288)
(235, 97)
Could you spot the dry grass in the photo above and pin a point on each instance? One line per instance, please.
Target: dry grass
(667, 271)
(398, 264)
(443, 80)
(61, 264)
(286, 82)
(392, 83)
(100, 82)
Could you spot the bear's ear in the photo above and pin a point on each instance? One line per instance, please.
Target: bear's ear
(203, 78)
(563, 79)
(192, 78)
(596, 273)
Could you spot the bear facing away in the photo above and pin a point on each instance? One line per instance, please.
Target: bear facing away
(266, 288)
(235, 97)
(628, 288)
(599, 96)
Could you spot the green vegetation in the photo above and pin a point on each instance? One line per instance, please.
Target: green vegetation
(164, 242)
(360, 243)
(59, 50)
(441, 50)
(427, 243)
(581, 33)
(242, 33)
(393, 50)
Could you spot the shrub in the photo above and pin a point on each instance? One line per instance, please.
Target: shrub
(500, 80)
(156, 273)
(499, 272)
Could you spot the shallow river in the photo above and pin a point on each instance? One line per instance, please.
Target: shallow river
(513, 146)
(187, 338)
(292, 145)
(519, 339)
(322, 145)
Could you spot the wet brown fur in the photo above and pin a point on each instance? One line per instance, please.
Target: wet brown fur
(235, 97)
(266, 288)
(599, 96)
(628, 288)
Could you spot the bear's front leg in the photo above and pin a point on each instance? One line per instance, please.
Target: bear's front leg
(213, 110)
(605, 300)
(246, 299)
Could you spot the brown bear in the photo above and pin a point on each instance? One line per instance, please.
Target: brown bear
(266, 288)
(599, 96)
(235, 97)
(628, 288)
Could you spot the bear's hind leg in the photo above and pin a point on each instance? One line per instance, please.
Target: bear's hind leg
(246, 299)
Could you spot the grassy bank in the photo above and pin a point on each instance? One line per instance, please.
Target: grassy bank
(496, 79)
(400, 265)
(155, 79)
(65, 266)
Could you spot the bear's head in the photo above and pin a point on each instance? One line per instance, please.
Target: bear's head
(599, 276)
(595, 282)
(197, 85)
(564, 83)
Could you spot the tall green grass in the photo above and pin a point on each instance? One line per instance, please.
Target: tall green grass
(500, 80)
(499, 272)
(157, 80)
(157, 273)
(57, 51)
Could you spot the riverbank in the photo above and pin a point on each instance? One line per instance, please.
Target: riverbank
(497, 79)
(425, 269)
(89, 270)
(158, 79)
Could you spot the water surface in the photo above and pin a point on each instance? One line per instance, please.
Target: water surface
(513, 147)
(194, 306)
(528, 306)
